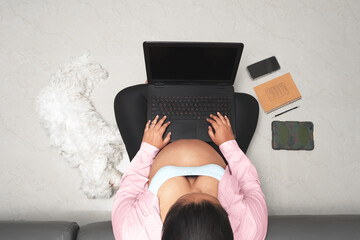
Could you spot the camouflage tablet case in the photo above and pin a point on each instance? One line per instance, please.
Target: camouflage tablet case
(292, 135)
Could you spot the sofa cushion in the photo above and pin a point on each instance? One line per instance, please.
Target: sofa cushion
(95, 231)
(297, 227)
(329, 227)
(38, 230)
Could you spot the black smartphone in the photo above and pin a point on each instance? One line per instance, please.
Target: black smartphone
(263, 67)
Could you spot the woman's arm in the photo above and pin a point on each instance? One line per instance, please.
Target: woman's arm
(239, 189)
(132, 185)
(127, 212)
(243, 197)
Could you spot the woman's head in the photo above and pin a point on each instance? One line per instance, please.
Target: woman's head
(197, 216)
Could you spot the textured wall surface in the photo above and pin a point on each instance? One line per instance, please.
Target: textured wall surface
(316, 41)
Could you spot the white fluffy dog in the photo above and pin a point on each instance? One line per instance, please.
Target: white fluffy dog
(79, 132)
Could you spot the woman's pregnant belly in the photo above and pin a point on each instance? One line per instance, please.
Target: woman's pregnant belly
(184, 153)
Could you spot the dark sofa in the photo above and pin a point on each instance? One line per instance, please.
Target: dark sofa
(329, 227)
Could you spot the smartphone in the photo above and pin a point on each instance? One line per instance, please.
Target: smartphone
(263, 67)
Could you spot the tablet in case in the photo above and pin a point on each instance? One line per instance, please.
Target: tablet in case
(292, 135)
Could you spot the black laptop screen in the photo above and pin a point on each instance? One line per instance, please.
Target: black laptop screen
(207, 63)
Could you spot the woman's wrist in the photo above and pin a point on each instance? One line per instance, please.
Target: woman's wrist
(225, 142)
(147, 147)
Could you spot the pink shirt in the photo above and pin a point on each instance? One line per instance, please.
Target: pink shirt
(136, 212)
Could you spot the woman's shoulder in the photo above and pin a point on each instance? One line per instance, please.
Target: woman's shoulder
(140, 220)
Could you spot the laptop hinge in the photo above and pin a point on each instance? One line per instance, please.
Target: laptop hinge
(159, 85)
(221, 85)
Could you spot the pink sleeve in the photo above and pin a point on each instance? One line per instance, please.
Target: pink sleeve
(241, 195)
(132, 185)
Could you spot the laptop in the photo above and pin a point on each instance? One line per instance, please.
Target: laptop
(189, 80)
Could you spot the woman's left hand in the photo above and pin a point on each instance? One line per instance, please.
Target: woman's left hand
(153, 134)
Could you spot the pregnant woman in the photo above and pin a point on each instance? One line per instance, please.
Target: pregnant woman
(187, 189)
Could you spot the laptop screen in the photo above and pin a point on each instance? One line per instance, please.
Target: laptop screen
(192, 62)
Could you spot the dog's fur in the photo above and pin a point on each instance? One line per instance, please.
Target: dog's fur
(79, 133)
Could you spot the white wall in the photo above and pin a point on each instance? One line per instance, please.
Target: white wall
(316, 41)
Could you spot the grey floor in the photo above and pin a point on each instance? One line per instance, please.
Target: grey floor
(316, 41)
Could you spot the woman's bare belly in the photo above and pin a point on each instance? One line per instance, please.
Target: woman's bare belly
(185, 153)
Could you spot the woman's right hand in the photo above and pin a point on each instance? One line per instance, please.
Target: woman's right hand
(222, 127)
(153, 134)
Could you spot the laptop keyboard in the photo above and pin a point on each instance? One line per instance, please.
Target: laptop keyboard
(182, 108)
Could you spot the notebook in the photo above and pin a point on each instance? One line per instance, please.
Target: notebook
(189, 80)
(277, 93)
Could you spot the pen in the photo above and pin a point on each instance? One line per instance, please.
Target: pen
(286, 111)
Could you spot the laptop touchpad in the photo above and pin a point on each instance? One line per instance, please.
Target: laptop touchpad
(183, 130)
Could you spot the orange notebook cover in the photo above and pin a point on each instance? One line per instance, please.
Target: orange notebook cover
(277, 93)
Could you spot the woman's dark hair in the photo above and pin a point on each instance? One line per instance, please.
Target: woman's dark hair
(197, 221)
